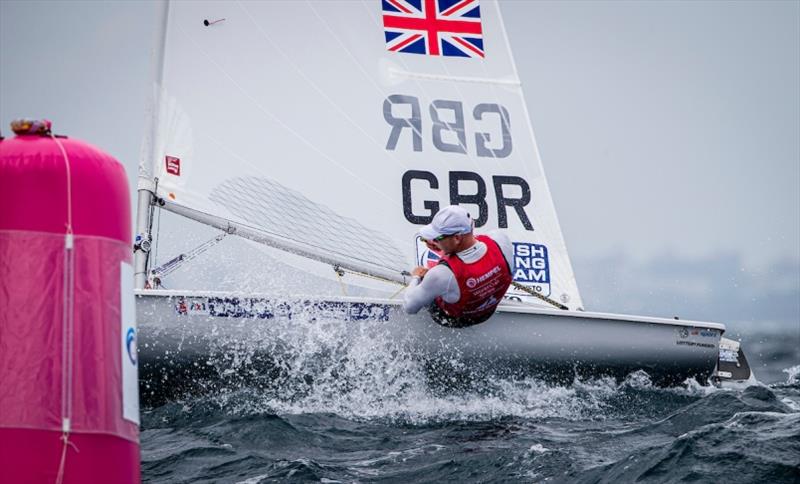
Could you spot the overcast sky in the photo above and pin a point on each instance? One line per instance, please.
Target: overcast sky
(669, 131)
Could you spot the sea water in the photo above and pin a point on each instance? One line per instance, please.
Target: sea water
(326, 408)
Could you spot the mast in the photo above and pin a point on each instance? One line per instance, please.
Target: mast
(146, 184)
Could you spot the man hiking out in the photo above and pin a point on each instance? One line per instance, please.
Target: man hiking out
(469, 281)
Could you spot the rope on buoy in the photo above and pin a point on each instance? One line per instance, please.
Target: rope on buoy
(68, 303)
(67, 444)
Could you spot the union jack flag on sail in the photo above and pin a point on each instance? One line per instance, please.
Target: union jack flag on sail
(433, 27)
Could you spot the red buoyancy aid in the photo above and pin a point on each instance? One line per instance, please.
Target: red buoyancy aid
(482, 284)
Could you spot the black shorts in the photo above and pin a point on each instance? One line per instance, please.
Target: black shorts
(440, 317)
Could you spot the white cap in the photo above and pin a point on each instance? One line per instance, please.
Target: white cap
(448, 221)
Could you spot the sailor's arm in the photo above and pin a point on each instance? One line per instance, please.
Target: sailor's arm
(437, 281)
(506, 247)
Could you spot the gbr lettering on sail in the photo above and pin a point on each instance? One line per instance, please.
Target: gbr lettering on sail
(443, 129)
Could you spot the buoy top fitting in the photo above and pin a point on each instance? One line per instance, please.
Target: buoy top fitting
(41, 127)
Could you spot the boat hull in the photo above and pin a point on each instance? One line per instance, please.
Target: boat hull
(184, 327)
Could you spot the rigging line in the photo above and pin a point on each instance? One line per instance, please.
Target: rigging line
(544, 298)
(150, 217)
(397, 293)
(370, 276)
(316, 87)
(158, 231)
(285, 126)
(299, 242)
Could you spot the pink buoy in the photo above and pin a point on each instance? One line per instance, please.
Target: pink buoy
(69, 410)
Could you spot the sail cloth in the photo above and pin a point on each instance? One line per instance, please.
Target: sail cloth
(342, 127)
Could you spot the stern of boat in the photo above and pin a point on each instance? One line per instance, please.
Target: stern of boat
(732, 366)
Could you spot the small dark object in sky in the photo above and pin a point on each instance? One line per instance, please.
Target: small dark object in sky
(207, 22)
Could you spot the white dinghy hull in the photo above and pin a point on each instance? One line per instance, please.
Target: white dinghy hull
(522, 339)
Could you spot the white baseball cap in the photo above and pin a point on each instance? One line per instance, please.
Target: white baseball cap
(447, 221)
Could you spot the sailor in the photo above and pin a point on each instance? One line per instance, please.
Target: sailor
(469, 281)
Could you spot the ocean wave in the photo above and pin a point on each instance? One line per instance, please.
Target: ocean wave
(341, 408)
(750, 446)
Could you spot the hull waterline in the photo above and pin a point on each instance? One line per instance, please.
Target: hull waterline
(178, 329)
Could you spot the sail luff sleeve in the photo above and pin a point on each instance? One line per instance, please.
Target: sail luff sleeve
(150, 151)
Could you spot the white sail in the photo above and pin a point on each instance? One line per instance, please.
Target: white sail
(338, 129)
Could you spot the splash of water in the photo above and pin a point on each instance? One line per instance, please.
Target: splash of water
(793, 375)
(360, 372)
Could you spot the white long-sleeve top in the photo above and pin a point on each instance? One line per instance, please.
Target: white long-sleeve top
(440, 280)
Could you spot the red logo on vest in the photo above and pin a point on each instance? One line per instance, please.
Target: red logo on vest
(173, 165)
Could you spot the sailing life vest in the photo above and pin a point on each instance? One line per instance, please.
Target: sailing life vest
(482, 284)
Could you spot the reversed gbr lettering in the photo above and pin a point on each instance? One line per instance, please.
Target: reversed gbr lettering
(447, 132)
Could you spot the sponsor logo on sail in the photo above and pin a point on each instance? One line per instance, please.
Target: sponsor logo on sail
(173, 165)
(531, 266)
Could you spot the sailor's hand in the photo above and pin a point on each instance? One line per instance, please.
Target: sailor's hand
(419, 272)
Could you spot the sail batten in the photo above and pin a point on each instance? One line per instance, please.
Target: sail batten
(330, 130)
(434, 77)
